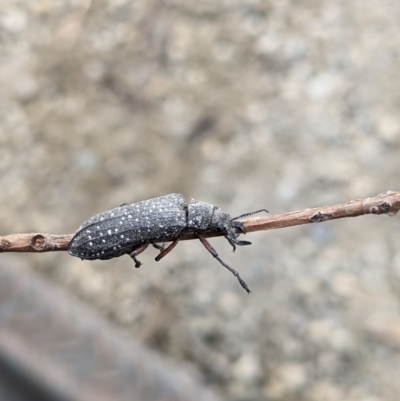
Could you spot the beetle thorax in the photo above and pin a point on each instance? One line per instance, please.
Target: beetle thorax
(199, 215)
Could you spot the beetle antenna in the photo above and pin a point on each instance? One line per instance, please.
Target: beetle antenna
(250, 214)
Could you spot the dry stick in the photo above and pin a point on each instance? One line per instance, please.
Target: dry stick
(386, 203)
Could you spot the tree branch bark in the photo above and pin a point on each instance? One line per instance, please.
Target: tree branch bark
(385, 203)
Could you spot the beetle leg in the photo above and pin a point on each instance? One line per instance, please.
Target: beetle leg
(159, 247)
(168, 249)
(213, 252)
(136, 252)
(232, 243)
(233, 240)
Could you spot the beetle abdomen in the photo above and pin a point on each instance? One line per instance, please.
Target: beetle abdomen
(120, 230)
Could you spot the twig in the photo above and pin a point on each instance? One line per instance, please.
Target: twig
(385, 203)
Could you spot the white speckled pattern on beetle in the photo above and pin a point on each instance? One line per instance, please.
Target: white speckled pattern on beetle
(118, 231)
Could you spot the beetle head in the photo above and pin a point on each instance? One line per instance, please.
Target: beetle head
(222, 221)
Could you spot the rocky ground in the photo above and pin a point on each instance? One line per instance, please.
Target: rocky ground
(243, 104)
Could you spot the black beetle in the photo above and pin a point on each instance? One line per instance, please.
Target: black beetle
(129, 229)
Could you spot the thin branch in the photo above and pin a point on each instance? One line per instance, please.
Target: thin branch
(385, 203)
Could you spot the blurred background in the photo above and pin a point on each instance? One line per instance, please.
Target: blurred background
(245, 104)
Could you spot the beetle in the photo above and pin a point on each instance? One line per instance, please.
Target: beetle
(131, 228)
